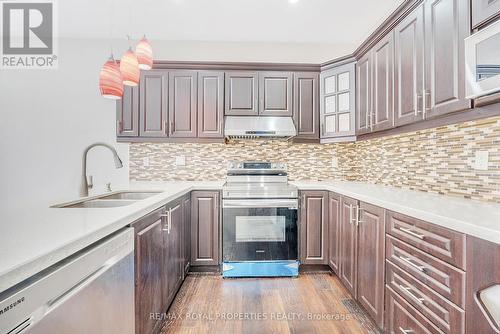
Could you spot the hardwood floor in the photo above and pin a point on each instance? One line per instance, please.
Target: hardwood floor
(312, 303)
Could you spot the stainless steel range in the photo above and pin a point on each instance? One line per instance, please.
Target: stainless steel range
(260, 233)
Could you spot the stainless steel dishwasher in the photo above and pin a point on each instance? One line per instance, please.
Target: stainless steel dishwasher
(89, 292)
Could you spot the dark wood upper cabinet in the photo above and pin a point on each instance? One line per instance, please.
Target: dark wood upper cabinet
(447, 23)
(275, 93)
(154, 104)
(242, 93)
(127, 113)
(333, 231)
(364, 93)
(483, 271)
(383, 84)
(370, 261)
(409, 68)
(182, 108)
(305, 105)
(338, 102)
(314, 227)
(205, 228)
(483, 11)
(348, 244)
(210, 104)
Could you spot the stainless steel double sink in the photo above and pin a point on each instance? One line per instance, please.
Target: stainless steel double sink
(111, 200)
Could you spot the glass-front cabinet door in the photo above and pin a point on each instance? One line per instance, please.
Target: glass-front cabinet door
(337, 106)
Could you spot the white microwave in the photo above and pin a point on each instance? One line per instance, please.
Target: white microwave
(482, 62)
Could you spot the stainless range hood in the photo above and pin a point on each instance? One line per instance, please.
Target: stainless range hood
(254, 127)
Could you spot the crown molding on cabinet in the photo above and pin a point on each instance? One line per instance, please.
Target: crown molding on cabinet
(236, 66)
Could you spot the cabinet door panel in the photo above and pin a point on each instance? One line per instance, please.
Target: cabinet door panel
(153, 104)
(447, 23)
(333, 231)
(314, 227)
(127, 113)
(242, 93)
(409, 68)
(182, 103)
(205, 228)
(210, 104)
(338, 102)
(348, 242)
(364, 94)
(483, 271)
(306, 107)
(172, 254)
(383, 84)
(371, 257)
(149, 258)
(186, 239)
(275, 93)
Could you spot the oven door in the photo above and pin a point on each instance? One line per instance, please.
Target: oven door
(259, 230)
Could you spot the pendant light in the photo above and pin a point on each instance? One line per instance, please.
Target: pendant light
(144, 54)
(110, 80)
(129, 66)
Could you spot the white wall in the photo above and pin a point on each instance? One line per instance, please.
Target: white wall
(47, 119)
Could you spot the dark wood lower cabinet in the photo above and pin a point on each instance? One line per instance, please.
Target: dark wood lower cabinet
(149, 271)
(370, 260)
(483, 271)
(402, 318)
(348, 242)
(186, 237)
(173, 267)
(333, 231)
(162, 245)
(313, 227)
(205, 228)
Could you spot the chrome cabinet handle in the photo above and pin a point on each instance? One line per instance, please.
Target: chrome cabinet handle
(171, 127)
(165, 131)
(408, 290)
(419, 104)
(350, 214)
(408, 261)
(358, 216)
(427, 101)
(412, 233)
(405, 331)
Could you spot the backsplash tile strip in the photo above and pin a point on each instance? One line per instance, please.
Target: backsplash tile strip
(438, 160)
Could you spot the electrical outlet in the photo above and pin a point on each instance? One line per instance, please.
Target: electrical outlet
(335, 162)
(145, 162)
(481, 160)
(180, 160)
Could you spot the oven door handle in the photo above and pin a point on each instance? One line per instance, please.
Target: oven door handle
(259, 203)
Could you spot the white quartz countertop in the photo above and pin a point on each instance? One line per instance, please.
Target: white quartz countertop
(479, 219)
(33, 239)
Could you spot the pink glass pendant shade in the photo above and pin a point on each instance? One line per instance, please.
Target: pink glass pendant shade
(144, 53)
(110, 80)
(129, 67)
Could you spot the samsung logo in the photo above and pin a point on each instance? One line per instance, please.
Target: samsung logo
(11, 306)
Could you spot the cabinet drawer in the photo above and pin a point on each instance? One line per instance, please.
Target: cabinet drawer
(440, 242)
(440, 311)
(436, 274)
(402, 318)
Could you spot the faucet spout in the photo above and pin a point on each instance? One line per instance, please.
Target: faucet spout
(85, 185)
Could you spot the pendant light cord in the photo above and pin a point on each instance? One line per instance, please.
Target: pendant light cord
(112, 3)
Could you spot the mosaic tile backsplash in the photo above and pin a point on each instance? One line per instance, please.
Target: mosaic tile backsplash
(439, 160)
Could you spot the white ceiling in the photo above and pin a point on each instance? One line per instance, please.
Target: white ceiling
(307, 21)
